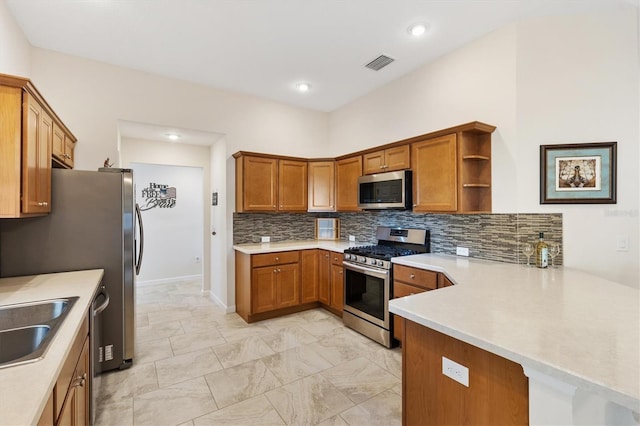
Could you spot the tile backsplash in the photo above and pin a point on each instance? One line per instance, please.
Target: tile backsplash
(487, 236)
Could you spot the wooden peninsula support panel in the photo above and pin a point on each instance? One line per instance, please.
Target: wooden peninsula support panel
(498, 391)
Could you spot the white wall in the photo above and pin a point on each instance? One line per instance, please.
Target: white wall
(15, 49)
(173, 249)
(549, 80)
(154, 152)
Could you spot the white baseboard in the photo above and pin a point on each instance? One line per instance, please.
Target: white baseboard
(215, 299)
(169, 280)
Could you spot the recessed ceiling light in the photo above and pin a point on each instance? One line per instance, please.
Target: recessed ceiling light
(303, 87)
(416, 30)
(173, 136)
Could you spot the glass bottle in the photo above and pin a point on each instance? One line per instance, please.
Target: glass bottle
(542, 252)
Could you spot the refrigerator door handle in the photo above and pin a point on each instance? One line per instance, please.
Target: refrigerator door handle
(104, 304)
(139, 259)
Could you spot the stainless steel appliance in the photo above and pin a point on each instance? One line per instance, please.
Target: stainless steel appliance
(391, 190)
(92, 225)
(368, 280)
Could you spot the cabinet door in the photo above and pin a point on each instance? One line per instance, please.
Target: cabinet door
(259, 183)
(402, 290)
(397, 158)
(288, 285)
(322, 186)
(292, 185)
(443, 281)
(373, 163)
(309, 276)
(337, 287)
(324, 276)
(347, 173)
(435, 174)
(263, 289)
(59, 145)
(36, 158)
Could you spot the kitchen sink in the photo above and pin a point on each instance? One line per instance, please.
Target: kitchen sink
(20, 342)
(27, 329)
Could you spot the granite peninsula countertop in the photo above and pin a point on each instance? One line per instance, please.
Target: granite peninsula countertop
(258, 248)
(575, 327)
(25, 389)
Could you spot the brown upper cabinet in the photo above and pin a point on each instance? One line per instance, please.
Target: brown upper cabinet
(386, 160)
(63, 147)
(270, 184)
(452, 172)
(348, 170)
(26, 141)
(322, 186)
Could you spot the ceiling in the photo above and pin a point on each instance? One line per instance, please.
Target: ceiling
(265, 47)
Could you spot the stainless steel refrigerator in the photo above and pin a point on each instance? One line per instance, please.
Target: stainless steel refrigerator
(94, 223)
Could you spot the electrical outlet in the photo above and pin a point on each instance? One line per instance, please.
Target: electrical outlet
(455, 371)
(462, 251)
(352, 238)
(265, 239)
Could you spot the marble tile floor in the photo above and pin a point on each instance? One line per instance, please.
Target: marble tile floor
(197, 365)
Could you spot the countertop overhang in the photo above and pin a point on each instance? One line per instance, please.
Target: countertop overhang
(25, 389)
(573, 326)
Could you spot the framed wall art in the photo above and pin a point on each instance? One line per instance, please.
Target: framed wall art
(579, 173)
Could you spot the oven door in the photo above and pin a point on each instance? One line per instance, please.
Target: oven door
(366, 293)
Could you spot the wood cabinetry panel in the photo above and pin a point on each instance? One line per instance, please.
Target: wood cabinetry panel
(417, 277)
(497, 392)
(402, 290)
(337, 287)
(309, 275)
(277, 258)
(322, 183)
(434, 164)
(324, 276)
(292, 185)
(288, 285)
(347, 172)
(263, 289)
(260, 183)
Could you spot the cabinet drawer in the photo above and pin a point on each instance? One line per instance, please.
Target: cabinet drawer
(418, 277)
(278, 258)
(402, 290)
(336, 258)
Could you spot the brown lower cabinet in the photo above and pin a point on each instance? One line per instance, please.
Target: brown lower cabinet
(498, 391)
(274, 284)
(69, 403)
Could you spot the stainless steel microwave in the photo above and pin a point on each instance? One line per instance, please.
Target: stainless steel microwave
(391, 190)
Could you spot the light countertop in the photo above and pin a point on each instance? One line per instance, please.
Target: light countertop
(575, 327)
(25, 389)
(258, 248)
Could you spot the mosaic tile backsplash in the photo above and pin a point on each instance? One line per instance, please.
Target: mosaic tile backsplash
(488, 236)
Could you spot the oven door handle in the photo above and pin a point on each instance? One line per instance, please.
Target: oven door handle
(382, 273)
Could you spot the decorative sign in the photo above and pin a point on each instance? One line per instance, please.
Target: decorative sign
(157, 195)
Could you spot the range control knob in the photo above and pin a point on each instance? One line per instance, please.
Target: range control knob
(347, 256)
(373, 261)
(380, 263)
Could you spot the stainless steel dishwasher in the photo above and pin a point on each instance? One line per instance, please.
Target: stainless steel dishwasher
(100, 303)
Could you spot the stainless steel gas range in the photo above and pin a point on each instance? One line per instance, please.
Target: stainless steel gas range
(368, 280)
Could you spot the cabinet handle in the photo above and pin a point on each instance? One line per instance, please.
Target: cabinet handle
(279, 270)
(274, 271)
(412, 276)
(43, 203)
(326, 255)
(340, 271)
(277, 258)
(79, 381)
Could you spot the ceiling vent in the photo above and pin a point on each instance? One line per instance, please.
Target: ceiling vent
(380, 62)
